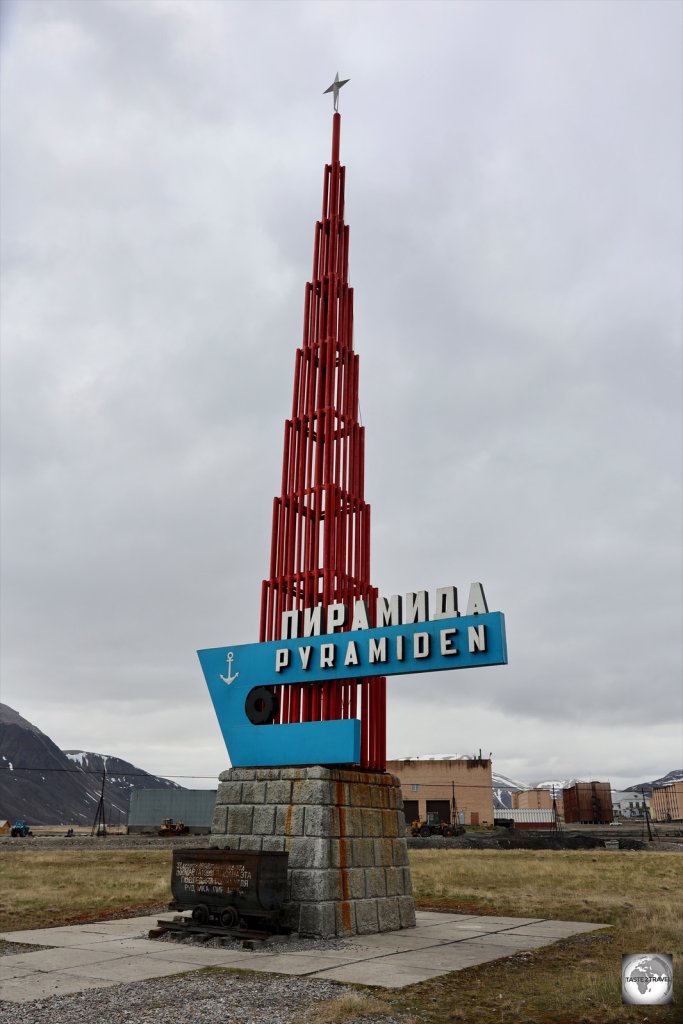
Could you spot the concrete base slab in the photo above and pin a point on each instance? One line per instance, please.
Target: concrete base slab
(130, 968)
(47, 985)
(97, 956)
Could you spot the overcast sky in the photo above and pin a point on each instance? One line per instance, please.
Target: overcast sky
(514, 198)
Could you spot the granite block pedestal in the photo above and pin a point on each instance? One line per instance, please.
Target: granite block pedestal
(344, 831)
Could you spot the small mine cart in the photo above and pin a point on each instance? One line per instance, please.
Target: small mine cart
(230, 887)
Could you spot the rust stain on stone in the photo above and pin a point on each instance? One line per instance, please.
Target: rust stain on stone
(288, 821)
(346, 914)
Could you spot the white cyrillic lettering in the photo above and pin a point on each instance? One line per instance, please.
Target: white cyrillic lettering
(416, 607)
(336, 616)
(476, 602)
(421, 645)
(305, 655)
(327, 652)
(360, 616)
(281, 658)
(447, 646)
(399, 648)
(476, 638)
(351, 657)
(290, 625)
(378, 650)
(313, 621)
(389, 610)
(446, 603)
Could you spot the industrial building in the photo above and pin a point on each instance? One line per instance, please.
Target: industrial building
(430, 784)
(667, 802)
(149, 807)
(536, 799)
(588, 803)
(629, 804)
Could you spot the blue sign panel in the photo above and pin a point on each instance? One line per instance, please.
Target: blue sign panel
(231, 673)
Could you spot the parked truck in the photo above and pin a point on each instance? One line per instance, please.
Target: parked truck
(20, 828)
(434, 826)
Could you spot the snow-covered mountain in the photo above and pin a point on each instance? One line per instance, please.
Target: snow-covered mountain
(557, 784)
(503, 788)
(47, 786)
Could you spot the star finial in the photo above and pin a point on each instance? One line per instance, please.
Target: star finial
(335, 87)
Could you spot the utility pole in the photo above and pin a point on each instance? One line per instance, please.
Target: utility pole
(556, 818)
(99, 825)
(650, 833)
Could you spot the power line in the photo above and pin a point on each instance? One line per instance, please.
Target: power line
(128, 774)
(110, 774)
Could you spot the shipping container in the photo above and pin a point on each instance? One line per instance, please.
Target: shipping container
(149, 807)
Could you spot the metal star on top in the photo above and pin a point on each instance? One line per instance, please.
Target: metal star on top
(335, 87)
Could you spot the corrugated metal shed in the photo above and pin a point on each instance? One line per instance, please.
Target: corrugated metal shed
(149, 807)
(527, 814)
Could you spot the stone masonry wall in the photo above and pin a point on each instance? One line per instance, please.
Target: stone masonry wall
(345, 834)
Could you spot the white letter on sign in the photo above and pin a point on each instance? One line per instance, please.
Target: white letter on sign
(336, 616)
(281, 658)
(378, 650)
(305, 655)
(476, 604)
(327, 655)
(416, 607)
(351, 654)
(421, 645)
(360, 616)
(313, 621)
(446, 641)
(389, 611)
(446, 603)
(290, 625)
(476, 638)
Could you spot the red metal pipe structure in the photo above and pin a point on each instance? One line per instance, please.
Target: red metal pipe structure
(320, 548)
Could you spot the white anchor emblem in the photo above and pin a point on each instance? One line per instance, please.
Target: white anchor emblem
(230, 678)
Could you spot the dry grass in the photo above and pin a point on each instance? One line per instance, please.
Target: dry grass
(42, 889)
(576, 981)
(349, 1008)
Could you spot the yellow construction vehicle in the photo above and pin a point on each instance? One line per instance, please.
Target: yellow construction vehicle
(169, 827)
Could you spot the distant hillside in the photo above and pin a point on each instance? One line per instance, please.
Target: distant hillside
(503, 788)
(48, 786)
(646, 787)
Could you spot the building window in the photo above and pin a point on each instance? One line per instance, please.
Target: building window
(415, 787)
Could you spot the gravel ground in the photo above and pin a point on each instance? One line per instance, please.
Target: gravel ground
(206, 998)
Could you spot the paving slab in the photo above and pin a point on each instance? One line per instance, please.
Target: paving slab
(288, 964)
(387, 975)
(558, 929)
(9, 970)
(81, 957)
(43, 986)
(407, 938)
(511, 939)
(47, 960)
(132, 968)
(199, 955)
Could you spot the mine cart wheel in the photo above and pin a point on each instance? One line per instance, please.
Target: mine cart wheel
(229, 917)
(425, 831)
(200, 913)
